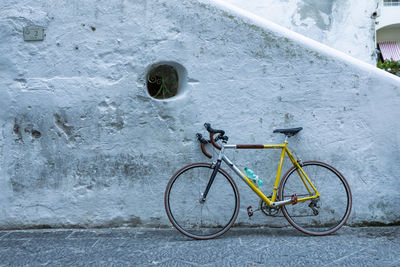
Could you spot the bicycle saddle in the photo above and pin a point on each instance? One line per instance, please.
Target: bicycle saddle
(289, 131)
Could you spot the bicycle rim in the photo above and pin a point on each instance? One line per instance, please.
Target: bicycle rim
(191, 216)
(324, 215)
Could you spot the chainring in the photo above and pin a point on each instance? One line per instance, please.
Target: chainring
(269, 211)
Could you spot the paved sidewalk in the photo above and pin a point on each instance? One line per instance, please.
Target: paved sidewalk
(370, 246)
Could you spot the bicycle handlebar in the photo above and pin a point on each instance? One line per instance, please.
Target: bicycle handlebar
(211, 130)
(203, 142)
(213, 141)
(220, 136)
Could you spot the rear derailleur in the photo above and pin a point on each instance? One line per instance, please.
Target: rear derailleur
(314, 206)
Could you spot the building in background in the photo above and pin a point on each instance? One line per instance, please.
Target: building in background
(388, 29)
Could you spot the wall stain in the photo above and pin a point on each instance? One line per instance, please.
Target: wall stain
(87, 173)
(288, 117)
(111, 116)
(16, 130)
(102, 171)
(23, 129)
(65, 129)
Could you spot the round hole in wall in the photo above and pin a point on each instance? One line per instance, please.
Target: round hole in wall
(165, 80)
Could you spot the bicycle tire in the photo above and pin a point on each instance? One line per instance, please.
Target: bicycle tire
(333, 206)
(196, 219)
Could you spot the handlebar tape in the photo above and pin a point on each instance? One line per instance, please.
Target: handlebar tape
(203, 142)
(211, 130)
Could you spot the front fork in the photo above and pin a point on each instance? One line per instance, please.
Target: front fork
(214, 173)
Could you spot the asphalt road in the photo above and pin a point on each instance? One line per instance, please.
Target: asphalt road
(369, 246)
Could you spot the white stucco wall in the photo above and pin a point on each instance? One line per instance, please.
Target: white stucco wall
(106, 150)
(389, 15)
(342, 24)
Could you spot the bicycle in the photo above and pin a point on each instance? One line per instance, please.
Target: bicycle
(202, 200)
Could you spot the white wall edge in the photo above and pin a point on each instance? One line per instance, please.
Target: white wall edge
(301, 39)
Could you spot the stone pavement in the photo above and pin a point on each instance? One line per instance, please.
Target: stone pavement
(369, 246)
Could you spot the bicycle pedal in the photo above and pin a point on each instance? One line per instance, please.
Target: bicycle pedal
(250, 211)
(293, 198)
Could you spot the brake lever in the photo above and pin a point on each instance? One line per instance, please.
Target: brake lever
(221, 137)
(203, 142)
(224, 138)
(201, 139)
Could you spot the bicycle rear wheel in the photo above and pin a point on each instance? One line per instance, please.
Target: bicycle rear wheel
(196, 218)
(321, 216)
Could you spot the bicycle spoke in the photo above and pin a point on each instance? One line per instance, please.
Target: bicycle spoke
(325, 214)
(201, 220)
(188, 212)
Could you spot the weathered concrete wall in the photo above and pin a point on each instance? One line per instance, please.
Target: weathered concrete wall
(83, 144)
(346, 25)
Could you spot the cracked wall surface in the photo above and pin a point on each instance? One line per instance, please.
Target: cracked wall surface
(83, 144)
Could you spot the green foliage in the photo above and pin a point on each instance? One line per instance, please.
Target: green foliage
(163, 82)
(391, 66)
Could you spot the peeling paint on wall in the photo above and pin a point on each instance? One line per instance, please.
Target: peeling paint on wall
(319, 11)
(341, 24)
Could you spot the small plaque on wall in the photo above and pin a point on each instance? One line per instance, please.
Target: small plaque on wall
(33, 33)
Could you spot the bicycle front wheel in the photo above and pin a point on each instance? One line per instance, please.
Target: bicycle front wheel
(321, 216)
(188, 212)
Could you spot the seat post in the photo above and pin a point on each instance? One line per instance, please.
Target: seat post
(286, 138)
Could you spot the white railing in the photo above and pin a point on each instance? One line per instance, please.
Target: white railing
(391, 2)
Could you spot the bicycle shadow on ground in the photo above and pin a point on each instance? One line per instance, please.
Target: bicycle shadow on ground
(237, 232)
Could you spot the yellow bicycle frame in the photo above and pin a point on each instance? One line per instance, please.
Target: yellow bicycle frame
(272, 202)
